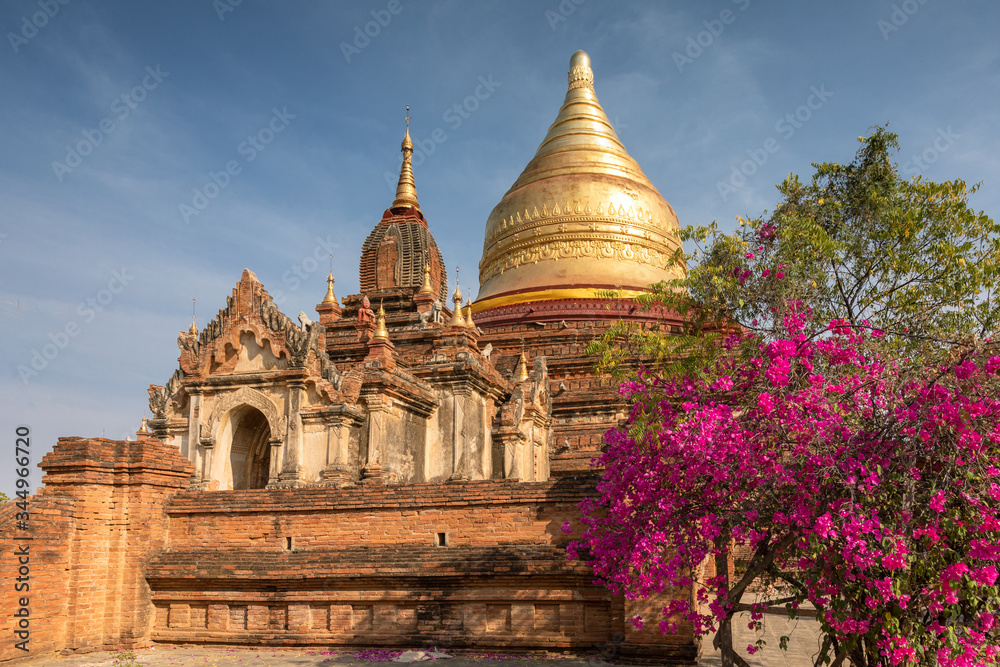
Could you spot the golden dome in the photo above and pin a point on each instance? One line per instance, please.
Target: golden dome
(582, 216)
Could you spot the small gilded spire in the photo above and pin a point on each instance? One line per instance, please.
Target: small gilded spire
(522, 373)
(380, 331)
(193, 329)
(456, 319)
(406, 190)
(427, 288)
(467, 312)
(330, 296)
(142, 427)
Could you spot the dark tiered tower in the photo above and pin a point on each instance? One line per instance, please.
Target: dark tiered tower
(399, 250)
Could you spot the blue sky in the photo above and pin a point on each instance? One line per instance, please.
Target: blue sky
(117, 115)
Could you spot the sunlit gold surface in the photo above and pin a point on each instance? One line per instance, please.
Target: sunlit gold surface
(456, 316)
(547, 295)
(330, 296)
(381, 333)
(522, 369)
(581, 213)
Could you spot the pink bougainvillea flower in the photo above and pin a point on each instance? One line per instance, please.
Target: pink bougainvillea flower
(724, 383)
(985, 576)
(937, 502)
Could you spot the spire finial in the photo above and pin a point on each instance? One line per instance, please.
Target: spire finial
(193, 329)
(330, 296)
(580, 74)
(467, 312)
(381, 333)
(406, 189)
(456, 319)
(457, 296)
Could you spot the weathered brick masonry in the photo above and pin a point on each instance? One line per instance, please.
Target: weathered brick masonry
(364, 568)
(122, 557)
(98, 519)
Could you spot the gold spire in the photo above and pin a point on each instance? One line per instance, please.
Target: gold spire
(330, 296)
(467, 313)
(522, 373)
(142, 426)
(380, 331)
(406, 190)
(581, 198)
(193, 329)
(456, 318)
(427, 288)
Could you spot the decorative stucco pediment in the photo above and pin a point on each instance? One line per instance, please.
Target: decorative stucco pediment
(249, 337)
(253, 356)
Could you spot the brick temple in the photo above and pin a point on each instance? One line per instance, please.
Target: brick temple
(394, 471)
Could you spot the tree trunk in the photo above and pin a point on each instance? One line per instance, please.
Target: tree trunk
(724, 635)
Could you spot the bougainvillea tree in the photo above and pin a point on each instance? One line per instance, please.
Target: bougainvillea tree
(837, 438)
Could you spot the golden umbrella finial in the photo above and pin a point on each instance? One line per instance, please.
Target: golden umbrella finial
(193, 329)
(142, 427)
(330, 296)
(580, 73)
(467, 312)
(456, 319)
(381, 333)
(522, 373)
(406, 190)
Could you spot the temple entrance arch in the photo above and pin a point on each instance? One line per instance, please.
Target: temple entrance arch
(250, 448)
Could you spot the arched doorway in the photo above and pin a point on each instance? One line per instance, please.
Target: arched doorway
(250, 452)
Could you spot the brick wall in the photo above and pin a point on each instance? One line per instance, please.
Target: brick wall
(47, 589)
(93, 526)
(482, 513)
(124, 554)
(362, 567)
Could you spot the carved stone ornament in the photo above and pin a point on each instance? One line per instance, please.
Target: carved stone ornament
(205, 435)
(256, 399)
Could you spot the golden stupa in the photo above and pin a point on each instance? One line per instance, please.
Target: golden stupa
(581, 217)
